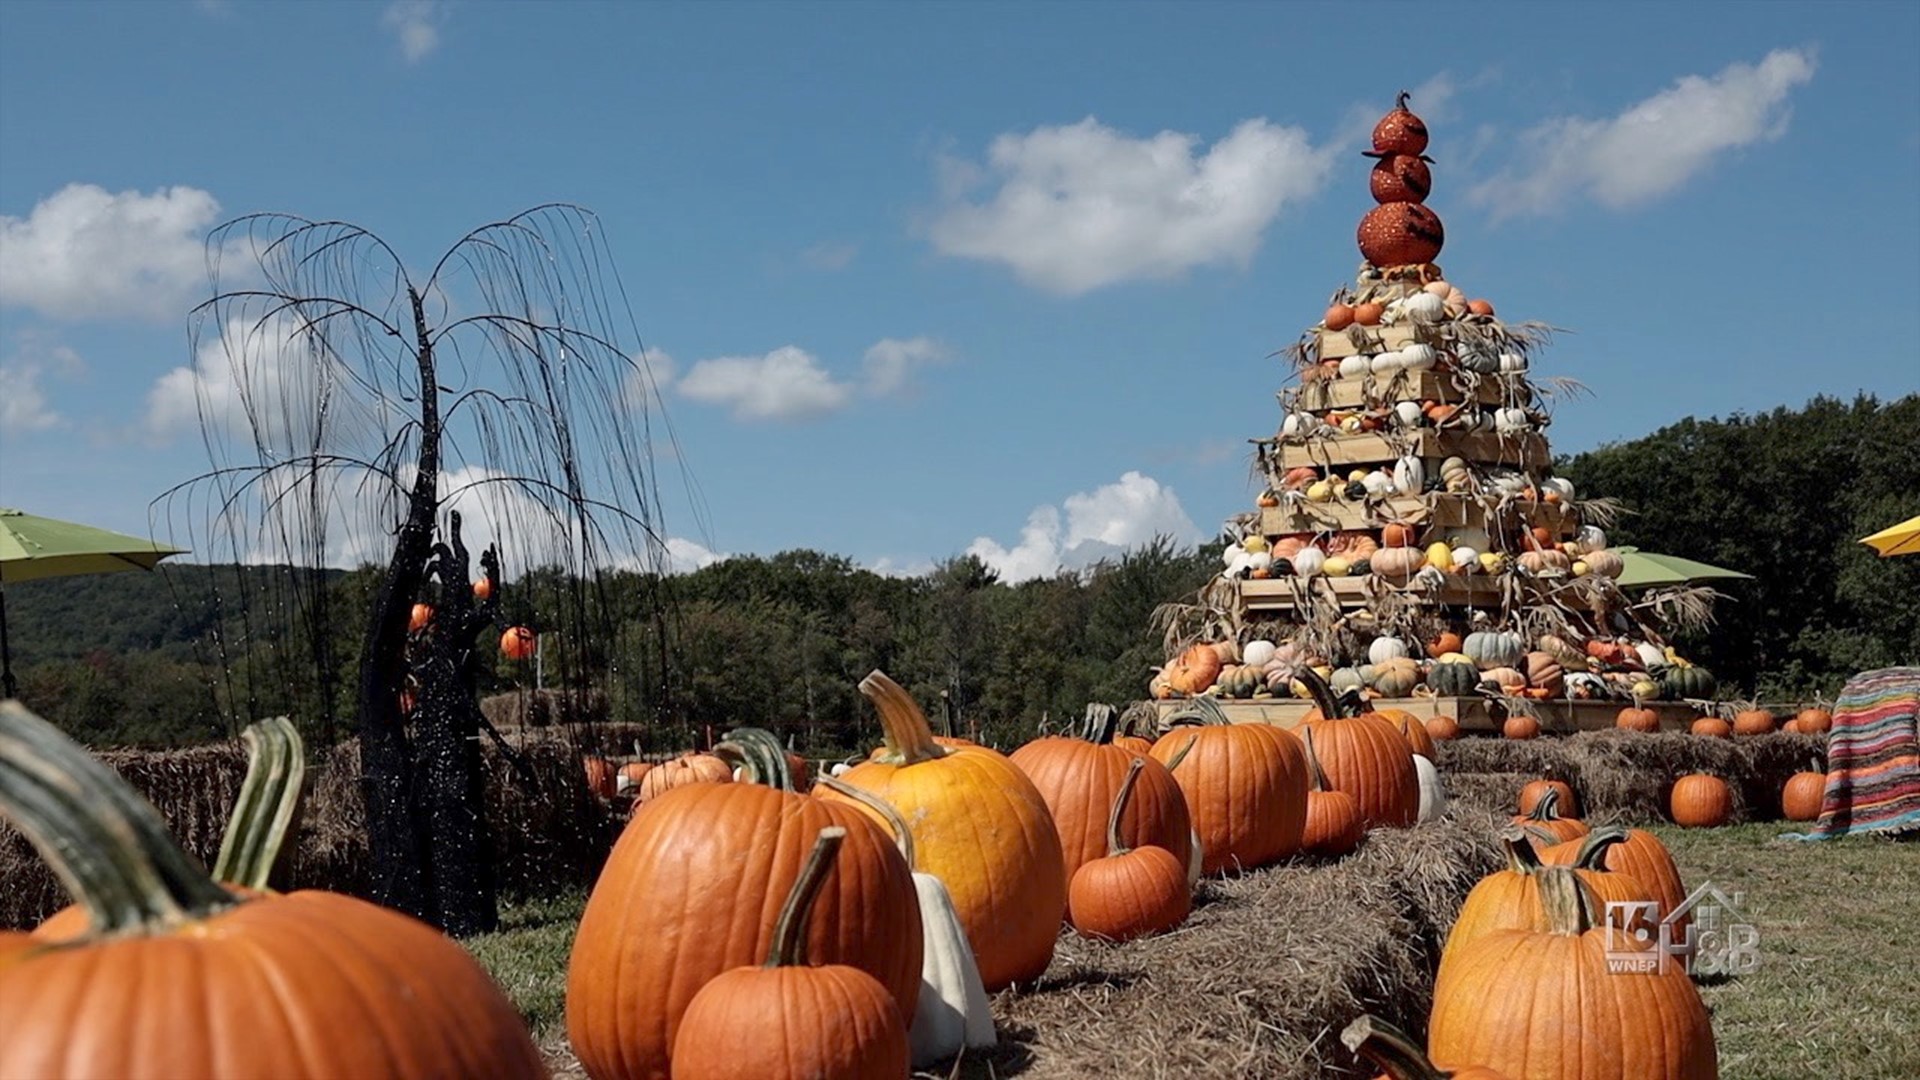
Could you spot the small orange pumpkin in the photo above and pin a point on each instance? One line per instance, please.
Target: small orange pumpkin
(1520, 726)
(1642, 720)
(1339, 316)
(1443, 728)
(1129, 892)
(691, 767)
(519, 643)
(1370, 313)
(1814, 721)
(1712, 727)
(1803, 796)
(1700, 801)
(1754, 722)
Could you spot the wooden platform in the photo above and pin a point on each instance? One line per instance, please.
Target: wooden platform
(1268, 595)
(1449, 511)
(1526, 450)
(1476, 714)
(1319, 395)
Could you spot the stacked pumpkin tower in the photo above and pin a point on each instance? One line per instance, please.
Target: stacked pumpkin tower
(1412, 541)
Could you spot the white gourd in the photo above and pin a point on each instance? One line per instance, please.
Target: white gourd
(1408, 413)
(840, 768)
(1377, 483)
(1433, 796)
(1257, 653)
(1510, 420)
(1409, 475)
(1512, 363)
(1418, 356)
(1308, 561)
(1260, 560)
(1650, 655)
(1387, 363)
(1466, 559)
(1384, 649)
(1423, 307)
(1559, 486)
(1591, 538)
(1354, 366)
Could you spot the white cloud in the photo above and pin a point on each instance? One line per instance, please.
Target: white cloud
(416, 24)
(785, 384)
(683, 556)
(85, 253)
(891, 362)
(23, 404)
(1089, 526)
(1654, 146)
(1084, 206)
(888, 566)
(264, 379)
(648, 380)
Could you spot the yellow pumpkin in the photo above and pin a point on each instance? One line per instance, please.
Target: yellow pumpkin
(1440, 556)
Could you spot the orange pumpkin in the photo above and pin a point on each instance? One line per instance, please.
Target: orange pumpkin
(422, 615)
(1712, 727)
(691, 767)
(1366, 757)
(688, 893)
(1194, 670)
(633, 772)
(1412, 730)
(519, 643)
(832, 1020)
(1642, 720)
(1400, 178)
(1544, 824)
(1480, 307)
(483, 589)
(1369, 313)
(981, 827)
(1443, 728)
(1754, 722)
(1396, 534)
(1399, 234)
(599, 775)
(1641, 856)
(1245, 786)
(1814, 721)
(1520, 726)
(75, 1009)
(1446, 641)
(1400, 131)
(1536, 790)
(1334, 826)
(1510, 899)
(1339, 317)
(1802, 797)
(1700, 801)
(1129, 891)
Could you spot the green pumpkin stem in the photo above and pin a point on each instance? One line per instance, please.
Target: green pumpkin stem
(1100, 724)
(1391, 1050)
(758, 755)
(108, 846)
(1120, 801)
(1182, 754)
(269, 799)
(1567, 903)
(1547, 807)
(1593, 849)
(1521, 857)
(902, 832)
(1201, 711)
(909, 740)
(1323, 696)
(790, 932)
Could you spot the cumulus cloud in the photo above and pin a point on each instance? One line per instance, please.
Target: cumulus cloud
(682, 556)
(24, 405)
(1087, 527)
(260, 379)
(647, 382)
(789, 383)
(1075, 208)
(416, 25)
(1653, 147)
(87, 253)
(891, 362)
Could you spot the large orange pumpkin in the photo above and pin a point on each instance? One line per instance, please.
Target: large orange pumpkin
(181, 977)
(830, 1020)
(1080, 776)
(1641, 856)
(692, 889)
(1193, 670)
(1803, 796)
(1364, 756)
(981, 827)
(1245, 785)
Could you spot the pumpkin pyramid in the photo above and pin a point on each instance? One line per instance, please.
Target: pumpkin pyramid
(1412, 540)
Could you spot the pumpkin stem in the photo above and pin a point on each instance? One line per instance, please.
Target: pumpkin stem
(1547, 807)
(1593, 850)
(1521, 858)
(1400, 102)
(1322, 694)
(1182, 755)
(1317, 780)
(1567, 902)
(269, 798)
(1120, 801)
(908, 738)
(790, 932)
(1200, 711)
(758, 755)
(902, 832)
(1391, 1049)
(1099, 724)
(107, 845)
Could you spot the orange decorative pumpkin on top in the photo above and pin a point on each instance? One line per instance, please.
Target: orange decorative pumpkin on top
(1400, 131)
(519, 643)
(1400, 178)
(1400, 233)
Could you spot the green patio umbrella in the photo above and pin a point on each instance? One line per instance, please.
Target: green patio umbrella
(1645, 570)
(33, 547)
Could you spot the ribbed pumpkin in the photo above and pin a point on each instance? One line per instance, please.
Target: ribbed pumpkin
(981, 827)
(1814, 721)
(830, 1020)
(1633, 718)
(1690, 683)
(1129, 891)
(1079, 777)
(1524, 1002)
(1398, 565)
(1193, 670)
(1641, 856)
(692, 888)
(1443, 728)
(1511, 900)
(1520, 726)
(1700, 801)
(1393, 1051)
(1412, 730)
(1545, 825)
(688, 768)
(1454, 680)
(1754, 722)
(1802, 796)
(1238, 681)
(1535, 790)
(1507, 680)
(1490, 649)
(1366, 758)
(181, 978)
(1712, 727)
(1334, 826)
(1245, 785)
(1396, 678)
(1545, 673)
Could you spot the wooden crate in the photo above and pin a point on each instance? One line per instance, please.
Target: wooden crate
(1319, 395)
(1449, 511)
(1476, 714)
(1268, 595)
(1527, 450)
(1339, 344)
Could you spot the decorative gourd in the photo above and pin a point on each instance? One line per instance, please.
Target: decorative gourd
(1399, 233)
(1607, 564)
(1454, 680)
(703, 858)
(1079, 777)
(1334, 826)
(1641, 856)
(1396, 678)
(1383, 649)
(1422, 307)
(1544, 824)
(1642, 720)
(1691, 683)
(1507, 680)
(1400, 178)
(1545, 673)
(1535, 792)
(1391, 1050)
(1540, 561)
(1754, 722)
(952, 1013)
(1398, 565)
(1443, 728)
(1245, 786)
(1814, 721)
(1129, 892)
(1803, 795)
(981, 827)
(1258, 653)
(1520, 726)
(1523, 1002)
(165, 983)
(1364, 756)
(1494, 648)
(1433, 793)
(1309, 562)
(1700, 801)
(1193, 670)
(831, 1019)
(1400, 131)
(519, 643)
(688, 768)
(1409, 475)
(1712, 727)
(419, 617)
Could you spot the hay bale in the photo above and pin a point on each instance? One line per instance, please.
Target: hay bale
(526, 708)
(1494, 793)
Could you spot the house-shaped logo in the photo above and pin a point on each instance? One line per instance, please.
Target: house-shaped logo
(1708, 933)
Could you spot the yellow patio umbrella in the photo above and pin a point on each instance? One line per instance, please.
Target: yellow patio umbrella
(1901, 539)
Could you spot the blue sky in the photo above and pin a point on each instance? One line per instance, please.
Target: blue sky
(930, 278)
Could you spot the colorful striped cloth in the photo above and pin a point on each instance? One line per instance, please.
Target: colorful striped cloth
(1873, 757)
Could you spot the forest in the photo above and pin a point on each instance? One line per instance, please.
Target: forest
(192, 652)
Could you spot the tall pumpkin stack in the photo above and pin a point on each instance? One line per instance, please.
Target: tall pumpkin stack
(1412, 540)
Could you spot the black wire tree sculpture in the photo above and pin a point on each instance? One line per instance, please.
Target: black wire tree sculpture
(351, 412)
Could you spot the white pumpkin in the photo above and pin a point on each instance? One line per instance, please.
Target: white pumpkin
(1347, 678)
(1423, 307)
(1510, 420)
(1384, 649)
(1238, 565)
(953, 1013)
(1196, 858)
(1409, 474)
(1433, 796)
(1259, 560)
(1560, 486)
(1650, 655)
(839, 769)
(1408, 413)
(1466, 560)
(1477, 360)
(1354, 366)
(1257, 653)
(1387, 363)
(1377, 483)
(1591, 538)
(1512, 363)
(1308, 561)
(1230, 553)
(1418, 356)
(1299, 425)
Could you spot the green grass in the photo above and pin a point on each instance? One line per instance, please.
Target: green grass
(1833, 995)
(1839, 927)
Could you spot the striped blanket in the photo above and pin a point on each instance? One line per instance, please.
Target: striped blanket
(1873, 757)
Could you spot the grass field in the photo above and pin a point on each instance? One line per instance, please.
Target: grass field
(1833, 995)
